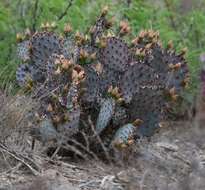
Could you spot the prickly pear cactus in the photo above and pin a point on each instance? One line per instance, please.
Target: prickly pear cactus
(125, 88)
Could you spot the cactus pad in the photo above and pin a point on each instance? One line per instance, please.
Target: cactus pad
(123, 134)
(150, 124)
(105, 114)
(23, 74)
(98, 28)
(109, 78)
(23, 50)
(115, 55)
(149, 109)
(120, 116)
(156, 59)
(178, 71)
(139, 75)
(45, 132)
(70, 49)
(70, 127)
(91, 85)
(153, 100)
(43, 45)
(72, 96)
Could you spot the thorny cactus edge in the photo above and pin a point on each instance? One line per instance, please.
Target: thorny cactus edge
(101, 76)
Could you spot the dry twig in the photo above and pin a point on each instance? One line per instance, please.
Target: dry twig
(20, 158)
(66, 10)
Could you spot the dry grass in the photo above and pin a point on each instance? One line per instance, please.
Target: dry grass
(14, 114)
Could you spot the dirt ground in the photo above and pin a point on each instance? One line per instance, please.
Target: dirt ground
(172, 159)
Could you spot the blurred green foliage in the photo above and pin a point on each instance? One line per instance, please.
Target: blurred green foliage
(185, 27)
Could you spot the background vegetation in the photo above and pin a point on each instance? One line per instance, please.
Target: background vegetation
(182, 21)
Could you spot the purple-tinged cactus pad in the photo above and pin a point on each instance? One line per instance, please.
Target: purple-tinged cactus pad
(109, 78)
(70, 49)
(43, 45)
(145, 100)
(150, 124)
(98, 29)
(23, 74)
(155, 60)
(176, 77)
(139, 75)
(91, 85)
(115, 55)
(71, 126)
(148, 105)
(119, 116)
(71, 96)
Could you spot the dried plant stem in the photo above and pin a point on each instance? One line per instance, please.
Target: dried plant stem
(18, 158)
(66, 10)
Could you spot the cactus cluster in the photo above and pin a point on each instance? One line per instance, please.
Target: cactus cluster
(125, 87)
